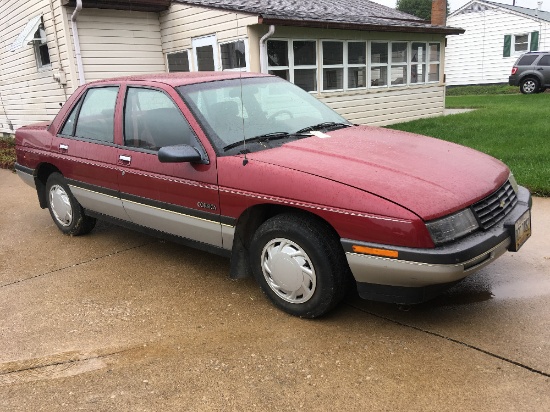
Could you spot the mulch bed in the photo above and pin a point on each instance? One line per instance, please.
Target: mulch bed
(7, 153)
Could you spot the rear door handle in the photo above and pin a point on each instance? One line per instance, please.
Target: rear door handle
(63, 147)
(540, 68)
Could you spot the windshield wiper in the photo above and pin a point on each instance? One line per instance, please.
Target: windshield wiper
(324, 125)
(260, 138)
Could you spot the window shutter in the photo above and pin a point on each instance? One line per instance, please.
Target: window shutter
(534, 46)
(507, 45)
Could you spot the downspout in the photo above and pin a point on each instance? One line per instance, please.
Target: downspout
(77, 10)
(62, 79)
(263, 49)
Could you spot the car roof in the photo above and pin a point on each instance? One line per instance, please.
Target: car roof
(180, 78)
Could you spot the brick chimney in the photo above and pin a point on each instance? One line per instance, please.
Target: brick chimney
(439, 12)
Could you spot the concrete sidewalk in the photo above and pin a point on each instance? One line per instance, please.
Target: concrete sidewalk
(118, 321)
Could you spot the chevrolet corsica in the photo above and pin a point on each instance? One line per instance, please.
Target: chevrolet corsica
(252, 167)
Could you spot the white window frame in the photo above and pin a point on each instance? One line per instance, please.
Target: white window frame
(292, 67)
(348, 65)
(209, 40)
(422, 63)
(528, 43)
(401, 64)
(428, 59)
(430, 62)
(246, 56)
(333, 66)
(38, 42)
(371, 65)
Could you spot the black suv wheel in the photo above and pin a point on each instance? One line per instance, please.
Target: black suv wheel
(529, 85)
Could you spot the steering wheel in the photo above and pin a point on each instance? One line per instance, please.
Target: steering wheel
(281, 112)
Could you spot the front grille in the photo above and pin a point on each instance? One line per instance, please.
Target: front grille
(495, 207)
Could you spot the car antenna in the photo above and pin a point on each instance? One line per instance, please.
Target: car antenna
(245, 160)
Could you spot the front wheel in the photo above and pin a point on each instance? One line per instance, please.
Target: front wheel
(64, 209)
(299, 264)
(529, 85)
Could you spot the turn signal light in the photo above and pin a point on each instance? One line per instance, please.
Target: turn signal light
(374, 251)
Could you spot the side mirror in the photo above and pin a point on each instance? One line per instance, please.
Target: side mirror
(179, 154)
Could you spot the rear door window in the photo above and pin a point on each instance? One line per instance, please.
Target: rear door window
(527, 60)
(93, 117)
(545, 60)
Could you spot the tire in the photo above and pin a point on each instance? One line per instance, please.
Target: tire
(529, 85)
(64, 209)
(299, 264)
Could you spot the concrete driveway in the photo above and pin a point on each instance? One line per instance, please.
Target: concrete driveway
(116, 320)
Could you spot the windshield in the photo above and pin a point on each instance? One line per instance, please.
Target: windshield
(237, 109)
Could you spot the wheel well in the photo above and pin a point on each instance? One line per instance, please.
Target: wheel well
(530, 76)
(247, 224)
(41, 177)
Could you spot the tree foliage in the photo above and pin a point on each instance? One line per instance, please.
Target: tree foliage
(418, 8)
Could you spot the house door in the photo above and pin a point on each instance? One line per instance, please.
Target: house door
(205, 54)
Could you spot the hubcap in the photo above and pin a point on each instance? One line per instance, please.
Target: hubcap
(529, 86)
(288, 270)
(61, 205)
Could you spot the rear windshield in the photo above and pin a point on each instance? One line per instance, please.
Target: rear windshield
(527, 60)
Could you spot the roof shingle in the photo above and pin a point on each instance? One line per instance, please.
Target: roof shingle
(350, 14)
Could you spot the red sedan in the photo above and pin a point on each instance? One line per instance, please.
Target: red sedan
(252, 167)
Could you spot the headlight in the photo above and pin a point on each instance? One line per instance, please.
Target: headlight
(452, 227)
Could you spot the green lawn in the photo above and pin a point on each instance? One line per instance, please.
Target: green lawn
(513, 128)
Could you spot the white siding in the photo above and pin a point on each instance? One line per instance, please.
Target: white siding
(28, 94)
(381, 108)
(118, 43)
(475, 57)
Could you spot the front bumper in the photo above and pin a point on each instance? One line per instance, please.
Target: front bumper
(419, 274)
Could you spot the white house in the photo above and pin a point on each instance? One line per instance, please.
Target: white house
(496, 35)
(371, 63)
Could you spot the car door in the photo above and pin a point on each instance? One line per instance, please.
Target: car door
(544, 68)
(87, 154)
(176, 198)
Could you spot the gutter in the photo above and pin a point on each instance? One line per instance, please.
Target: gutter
(76, 42)
(263, 49)
(400, 27)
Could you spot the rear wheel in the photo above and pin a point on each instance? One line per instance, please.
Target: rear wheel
(299, 264)
(64, 209)
(529, 85)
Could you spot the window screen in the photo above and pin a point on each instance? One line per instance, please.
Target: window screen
(178, 62)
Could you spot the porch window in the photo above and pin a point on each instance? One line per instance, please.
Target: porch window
(398, 73)
(379, 64)
(434, 61)
(357, 64)
(418, 63)
(297, 63)
(305, 64)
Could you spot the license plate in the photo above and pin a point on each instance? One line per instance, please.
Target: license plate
(522, 230)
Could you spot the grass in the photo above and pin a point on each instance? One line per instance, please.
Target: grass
(7, 153)
(512, 128)
(482, 90)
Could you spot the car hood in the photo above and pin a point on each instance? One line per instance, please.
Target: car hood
(427, 176)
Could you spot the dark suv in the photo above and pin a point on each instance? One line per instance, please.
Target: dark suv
(531, 72)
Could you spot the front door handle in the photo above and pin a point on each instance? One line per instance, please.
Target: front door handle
(124, 158)
(63, 147)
